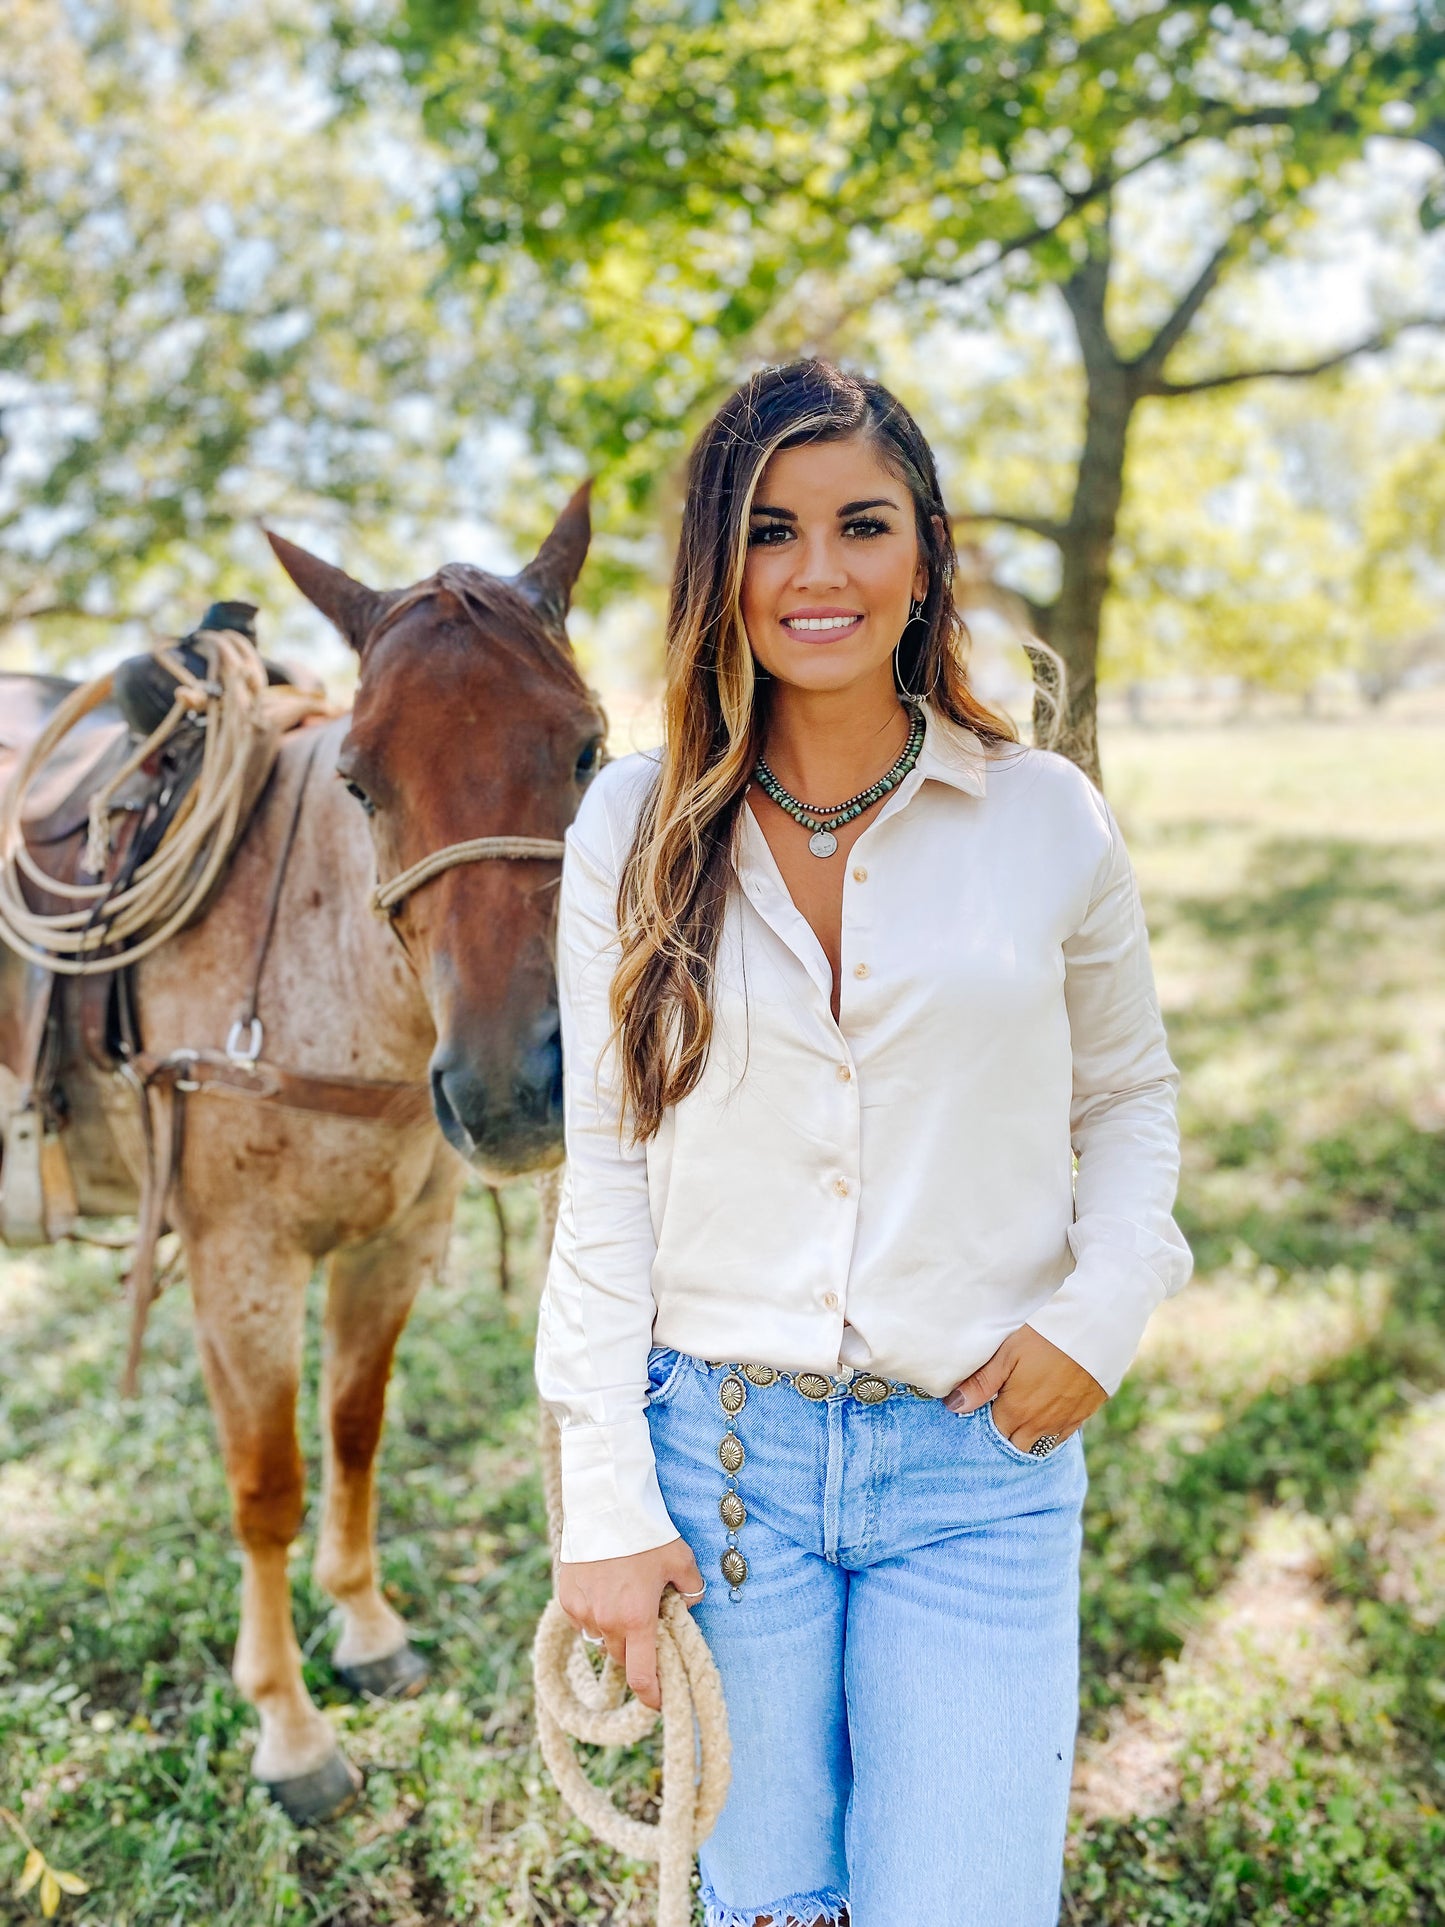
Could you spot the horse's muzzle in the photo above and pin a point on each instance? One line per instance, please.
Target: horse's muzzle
(505, 1122)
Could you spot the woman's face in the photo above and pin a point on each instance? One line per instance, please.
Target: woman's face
(833, 561)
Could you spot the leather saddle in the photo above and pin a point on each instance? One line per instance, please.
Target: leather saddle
(59, 801)
(96, 1010)
(90, 754)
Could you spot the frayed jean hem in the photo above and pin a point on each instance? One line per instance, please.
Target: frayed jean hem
(826, 1908)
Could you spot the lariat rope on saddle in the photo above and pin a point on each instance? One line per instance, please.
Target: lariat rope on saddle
(576, 1703)
(109, 925)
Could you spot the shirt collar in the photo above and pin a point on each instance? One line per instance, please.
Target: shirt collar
(950, 752)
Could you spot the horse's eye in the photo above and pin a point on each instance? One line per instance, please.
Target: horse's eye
(355, 789)
(590, 759)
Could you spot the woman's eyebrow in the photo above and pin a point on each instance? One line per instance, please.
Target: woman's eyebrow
(848, 508)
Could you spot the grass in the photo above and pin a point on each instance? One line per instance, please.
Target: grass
(1264, 1628)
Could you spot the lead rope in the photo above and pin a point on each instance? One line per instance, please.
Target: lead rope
(576, 1703)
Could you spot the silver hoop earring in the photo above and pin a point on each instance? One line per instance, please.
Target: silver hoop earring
(915, 614)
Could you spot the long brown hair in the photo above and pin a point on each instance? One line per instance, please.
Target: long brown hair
(673, 886)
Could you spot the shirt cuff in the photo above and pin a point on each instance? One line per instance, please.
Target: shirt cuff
(1099, 1312)
(611, 1501)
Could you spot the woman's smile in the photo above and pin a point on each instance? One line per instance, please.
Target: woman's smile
(822, 625)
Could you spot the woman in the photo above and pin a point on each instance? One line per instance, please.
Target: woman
(827, 1305)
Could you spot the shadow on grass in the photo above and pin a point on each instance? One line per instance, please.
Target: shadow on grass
(1350, 1833)
(1306, 914)
(1157, 1549)
(118, 1719)
(121, 1735)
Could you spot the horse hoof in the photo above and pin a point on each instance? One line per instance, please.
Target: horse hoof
(321, 1794)
(396, 1676)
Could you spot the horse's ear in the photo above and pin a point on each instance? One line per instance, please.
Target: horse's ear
(349, 604)
(548, 578)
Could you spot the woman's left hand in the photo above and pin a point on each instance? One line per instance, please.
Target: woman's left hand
(1036, 1389)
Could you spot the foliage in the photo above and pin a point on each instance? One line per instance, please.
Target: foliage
(50, 1882)
(1293, 1389)
(1401, 570)
(213, 306)
(697, 182)
(689, 188)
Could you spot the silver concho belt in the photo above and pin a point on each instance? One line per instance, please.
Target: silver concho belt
(732, 1394)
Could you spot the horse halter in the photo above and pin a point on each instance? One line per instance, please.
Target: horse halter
(387, 898)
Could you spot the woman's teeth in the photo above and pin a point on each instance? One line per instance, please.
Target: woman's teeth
(819, 622)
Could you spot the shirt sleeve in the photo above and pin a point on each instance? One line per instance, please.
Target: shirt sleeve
(594, 1326)
(1129, 1253)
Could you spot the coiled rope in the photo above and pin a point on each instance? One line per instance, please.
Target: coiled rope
(110, 926)
(576, 1703)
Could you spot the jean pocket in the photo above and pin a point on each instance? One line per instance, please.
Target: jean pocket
(664, 1373)
(1007, 1446)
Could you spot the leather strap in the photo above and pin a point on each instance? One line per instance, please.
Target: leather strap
(250, 1014)
(215, 1074)
(162, 1123)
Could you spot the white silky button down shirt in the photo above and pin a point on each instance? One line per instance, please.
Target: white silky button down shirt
(895, 1191)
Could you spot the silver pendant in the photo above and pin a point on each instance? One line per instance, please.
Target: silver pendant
(822, 843)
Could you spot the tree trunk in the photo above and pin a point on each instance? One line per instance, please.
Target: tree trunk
(1086, 544)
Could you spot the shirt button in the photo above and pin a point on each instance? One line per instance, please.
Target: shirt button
(840, 1185)
(860, 875)
(860, 970)
(844, 1074)
(830, 1301)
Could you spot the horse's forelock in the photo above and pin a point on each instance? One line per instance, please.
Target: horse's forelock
(497, 608)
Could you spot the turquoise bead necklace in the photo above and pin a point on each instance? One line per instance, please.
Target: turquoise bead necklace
(823, 822)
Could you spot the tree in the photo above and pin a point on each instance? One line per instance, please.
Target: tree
(685, 185)
(210, 309)
(1230, 555)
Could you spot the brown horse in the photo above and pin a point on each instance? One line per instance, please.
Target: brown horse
(471, 719)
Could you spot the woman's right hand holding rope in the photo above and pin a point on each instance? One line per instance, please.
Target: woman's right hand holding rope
(619, 1599)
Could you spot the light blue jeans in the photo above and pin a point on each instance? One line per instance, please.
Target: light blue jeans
(900, 1660)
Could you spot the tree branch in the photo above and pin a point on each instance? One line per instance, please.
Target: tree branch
(1043, 525)
(1152, 360)
(1020, 611)
(1104, 183)
(1086, 295)
(18, 611)
(1039, 613)
(1371, 345)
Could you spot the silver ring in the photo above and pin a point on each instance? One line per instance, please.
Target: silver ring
(592, 1639)
(1042, 1446)
(691, 1595)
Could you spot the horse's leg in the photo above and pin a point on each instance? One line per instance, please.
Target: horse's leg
(250, 1300)
(370, 1291)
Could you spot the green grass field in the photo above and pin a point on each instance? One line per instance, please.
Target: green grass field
(1264, 1620)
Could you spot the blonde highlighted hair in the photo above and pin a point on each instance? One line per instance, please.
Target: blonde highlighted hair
(674, 883)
